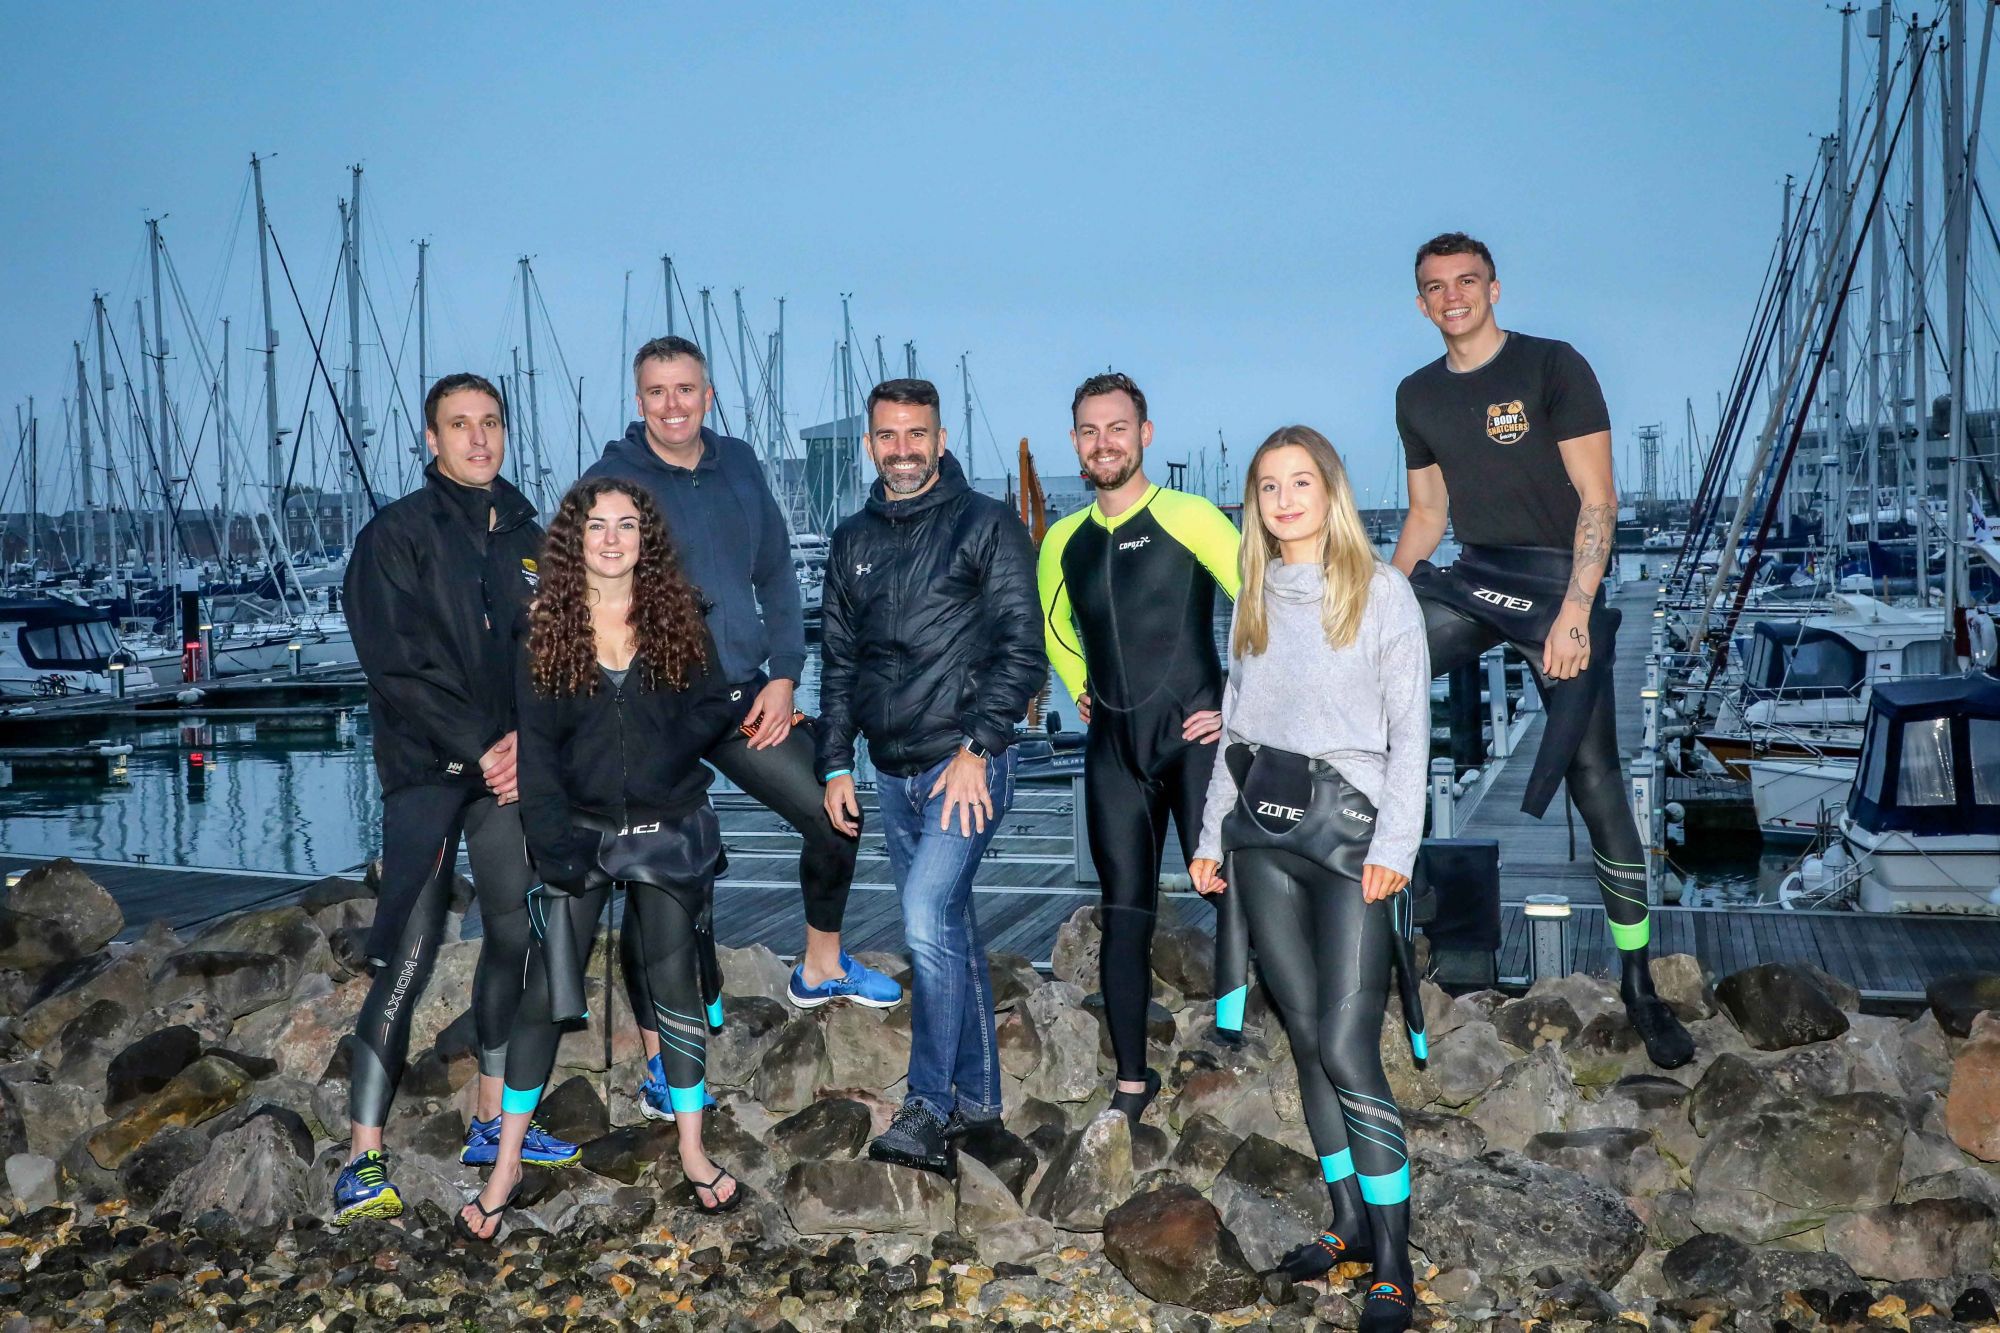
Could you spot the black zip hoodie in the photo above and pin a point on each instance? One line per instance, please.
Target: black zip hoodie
(437, 591)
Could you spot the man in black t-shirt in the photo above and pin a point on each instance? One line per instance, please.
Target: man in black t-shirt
(1516, 427)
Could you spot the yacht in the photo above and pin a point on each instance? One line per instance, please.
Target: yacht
(50, 648)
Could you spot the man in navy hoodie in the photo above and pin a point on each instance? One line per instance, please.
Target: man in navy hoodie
(735, 546)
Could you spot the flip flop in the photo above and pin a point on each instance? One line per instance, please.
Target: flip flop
(727, 1205)
(464, 1229)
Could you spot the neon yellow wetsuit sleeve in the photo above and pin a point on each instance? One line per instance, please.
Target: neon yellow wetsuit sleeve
(1065, 647)
(1206, 532)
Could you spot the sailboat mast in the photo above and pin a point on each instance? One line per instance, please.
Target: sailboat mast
(1917, 322)
(743, 369)
(910, 359)
(534, 395)
(707, 340)
(163, 448)
(34, 491)
(83, 460)
(1878, 274)
(357, 425)
(1958, 179)
(274, 456)
(423, 345)
(667, 264)
(965, 388)
(1837, 392)
(222, 444)
(104, 417)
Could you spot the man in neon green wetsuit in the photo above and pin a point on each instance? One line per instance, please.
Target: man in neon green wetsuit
(1128, 605)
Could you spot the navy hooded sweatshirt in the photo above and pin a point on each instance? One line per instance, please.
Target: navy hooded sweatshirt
(733, 545)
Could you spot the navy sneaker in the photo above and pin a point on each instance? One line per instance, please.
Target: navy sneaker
(364, 1190)
(916, 1138)
(859, 983)
(482, 1145)
(655, 1101)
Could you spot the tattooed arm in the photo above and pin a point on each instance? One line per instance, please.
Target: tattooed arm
(1587, 459)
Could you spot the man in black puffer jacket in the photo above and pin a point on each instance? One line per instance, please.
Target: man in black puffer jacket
(931, 648)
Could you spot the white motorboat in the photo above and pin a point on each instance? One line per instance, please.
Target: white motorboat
(50, 648)
(1798, 799)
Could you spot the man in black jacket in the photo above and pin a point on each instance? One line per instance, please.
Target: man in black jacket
(931, 647)
(437, 589)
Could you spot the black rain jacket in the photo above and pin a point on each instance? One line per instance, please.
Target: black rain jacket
(930, 630)
(436, 601)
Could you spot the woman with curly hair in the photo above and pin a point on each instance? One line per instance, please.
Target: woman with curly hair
(617, 703)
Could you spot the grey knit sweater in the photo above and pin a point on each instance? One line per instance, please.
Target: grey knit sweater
(1365, 708)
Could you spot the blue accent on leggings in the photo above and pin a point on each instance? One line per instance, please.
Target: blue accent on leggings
(1420, 1045)
(715, 1012)
(692, 1099)
(1337, 1166)
(1384, 1190)
(513, 1101)
(1229, 1009)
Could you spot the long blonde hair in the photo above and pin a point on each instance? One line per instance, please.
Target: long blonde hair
(1345, 551)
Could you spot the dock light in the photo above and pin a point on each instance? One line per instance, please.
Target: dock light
(13, 878)
(297, 650)
(117, 670)
(1649, 694)
(1548, 934)
(195, 760)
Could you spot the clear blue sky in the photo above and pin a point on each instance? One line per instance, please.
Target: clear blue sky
(1221, 200)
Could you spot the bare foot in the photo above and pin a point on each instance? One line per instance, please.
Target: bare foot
(698, 1168)
(482, 1214)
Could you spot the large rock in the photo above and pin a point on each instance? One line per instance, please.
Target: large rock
(1972, 1107)
(1088, 1178)
(867, 1048)
(792, 1067)
(1783, 1171)
(53, 1115)
(1068, 1068)
(991, 1215)
(862, 1195)
(289, 932)
(1713, 1265)
(124, 978)
(1204, 1149)
(1608, 1049)
(1777, 1006)
(833, 1128)
(31, 1179)
(1621, 1160)
(1011, 1158)
(1923, 1056)
(149, 1064)
(753, 970)
(1505, 1216)
(1442, 1135)
(752, 1024)
(1535, 1096)
(202, 1091)
(82, 1051)
(1079, 942)
(629, 1152)
(234, 983)
(1271, 1199)
(1586, 995)
(1534, 1021)
(1466, 1061)
(1184, 958)
(1956, 1000)
(1019, 1041)
(1681, 981)
(1651, 1102)
(311, 1024)
(254, 1174)
(1171, 1245)
(1927, 1238)
(56, 913)
(1411, 1087)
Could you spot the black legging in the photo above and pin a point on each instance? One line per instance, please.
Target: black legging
(1325, 955)
(662, 920)
(421, 827)
(1595, 779)
(1127, 801)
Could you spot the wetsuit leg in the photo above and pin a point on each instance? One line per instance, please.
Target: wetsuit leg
(1127, 819)
(420, 829)
(1455, 639)
(531, 1052)
(502, 876)
(1597, 785)
(673, 988)
(632, 963)
(1277, 891)
(782, 779)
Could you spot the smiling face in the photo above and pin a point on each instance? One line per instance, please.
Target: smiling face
(1457, 294)
(611, 543)
(1110, 438)
(470, 438)
(673, 395)
(1292, 499)
(906, 442)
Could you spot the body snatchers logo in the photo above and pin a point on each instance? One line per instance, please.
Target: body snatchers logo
(1506, 422)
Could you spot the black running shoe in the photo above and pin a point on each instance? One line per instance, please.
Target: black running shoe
(1134, 1104)
(1386, 1310)
(1321, 1255)
(1668, 1044)
(916, 1138)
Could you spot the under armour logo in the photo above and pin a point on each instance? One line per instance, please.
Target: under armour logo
(860, 570)
(1502, 599)
(1291, 812)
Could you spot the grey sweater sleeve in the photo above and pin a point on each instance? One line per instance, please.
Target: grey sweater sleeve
(1404, 668)
(1221, 782)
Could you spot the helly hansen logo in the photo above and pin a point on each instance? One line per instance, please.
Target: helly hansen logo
(454, 768)
(1502, 599)
(1356, 814)
(1135, 543)
(1506, 422)
(1291, 812)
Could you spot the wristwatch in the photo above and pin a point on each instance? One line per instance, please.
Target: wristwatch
(975, 749)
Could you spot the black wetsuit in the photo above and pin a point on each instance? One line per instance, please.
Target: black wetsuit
(1128, 608)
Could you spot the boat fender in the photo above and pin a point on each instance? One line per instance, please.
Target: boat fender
(1676, 812)
(1983, 639)
(188, 697)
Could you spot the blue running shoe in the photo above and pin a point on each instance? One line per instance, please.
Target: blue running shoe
(861, 984)
(364, 1190)
(655, 1102)
(482, 1145)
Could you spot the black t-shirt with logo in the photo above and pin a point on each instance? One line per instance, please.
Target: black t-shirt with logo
(1493, 431)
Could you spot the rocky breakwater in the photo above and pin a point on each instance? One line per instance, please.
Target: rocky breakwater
(172, 1110)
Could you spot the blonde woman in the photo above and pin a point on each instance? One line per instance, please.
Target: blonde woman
(1318, 807)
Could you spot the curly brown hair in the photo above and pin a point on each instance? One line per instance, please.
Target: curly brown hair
(666, 614)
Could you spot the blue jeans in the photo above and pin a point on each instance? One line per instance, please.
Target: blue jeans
(954, 1059)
